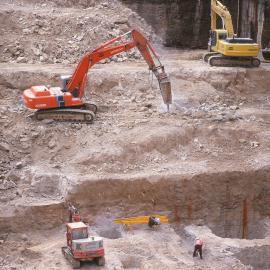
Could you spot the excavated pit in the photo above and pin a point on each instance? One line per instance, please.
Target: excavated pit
(205, 165)
(191, 165)
(232, 204)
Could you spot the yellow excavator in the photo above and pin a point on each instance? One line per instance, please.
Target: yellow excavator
(225, 49)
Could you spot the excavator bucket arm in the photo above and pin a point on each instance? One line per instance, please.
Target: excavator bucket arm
(107, 50)
(149, 55)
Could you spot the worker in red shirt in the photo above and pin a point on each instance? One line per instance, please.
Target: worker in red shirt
(198, 247)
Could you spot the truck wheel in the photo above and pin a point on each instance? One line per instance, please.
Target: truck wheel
(100, 261)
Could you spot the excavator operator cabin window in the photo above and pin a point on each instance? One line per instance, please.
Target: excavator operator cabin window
(222, 36)
(213, 38)
(79, 234)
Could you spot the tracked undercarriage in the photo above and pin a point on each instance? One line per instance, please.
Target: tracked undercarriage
(68, 255)
(85, 113)
(218, 60)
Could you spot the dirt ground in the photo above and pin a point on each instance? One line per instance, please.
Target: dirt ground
(205, 164)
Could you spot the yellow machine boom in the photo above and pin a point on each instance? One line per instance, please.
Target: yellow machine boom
(218, 9)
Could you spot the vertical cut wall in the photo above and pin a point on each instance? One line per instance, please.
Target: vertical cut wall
(186, 23)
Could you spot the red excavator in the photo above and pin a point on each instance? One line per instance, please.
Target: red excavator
(66, 102)
(81, 247)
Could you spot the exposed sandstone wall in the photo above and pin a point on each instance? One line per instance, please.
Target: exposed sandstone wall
(231, 203)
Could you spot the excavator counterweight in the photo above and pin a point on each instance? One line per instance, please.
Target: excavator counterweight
(66, 102)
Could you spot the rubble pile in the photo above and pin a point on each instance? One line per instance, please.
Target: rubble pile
(50, 34)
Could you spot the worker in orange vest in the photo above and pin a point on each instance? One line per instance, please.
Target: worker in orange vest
(198, 247)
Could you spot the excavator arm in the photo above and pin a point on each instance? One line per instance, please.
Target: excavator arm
(149, 56)
(218, 9)
(77, 81)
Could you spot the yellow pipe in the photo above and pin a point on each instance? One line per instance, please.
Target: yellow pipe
(139, 220)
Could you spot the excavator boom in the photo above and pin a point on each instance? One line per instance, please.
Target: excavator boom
(105, 51)
(218, 9)
(65, 102)
(89, 60)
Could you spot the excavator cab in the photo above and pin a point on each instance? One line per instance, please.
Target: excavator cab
(64, 79)
(215, 36)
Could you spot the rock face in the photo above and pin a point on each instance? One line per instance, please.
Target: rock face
(187, 23)
(266, 30)
(231, 203)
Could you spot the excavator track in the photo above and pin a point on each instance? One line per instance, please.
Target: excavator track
(68, 255)
(219, 60)
(90, 106)
(84, 113)
(206, 56)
